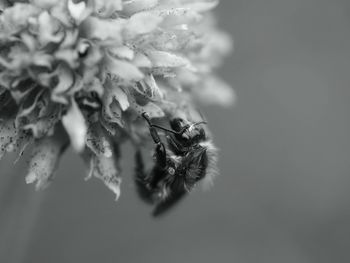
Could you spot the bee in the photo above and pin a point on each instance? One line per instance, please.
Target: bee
(187, 158)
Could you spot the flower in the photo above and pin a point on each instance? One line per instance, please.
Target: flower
(82, 73)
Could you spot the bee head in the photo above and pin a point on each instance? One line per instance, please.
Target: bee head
(188, 133)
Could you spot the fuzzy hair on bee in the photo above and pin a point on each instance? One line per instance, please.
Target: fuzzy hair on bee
(187, 158)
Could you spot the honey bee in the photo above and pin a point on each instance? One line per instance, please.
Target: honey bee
(187, 158)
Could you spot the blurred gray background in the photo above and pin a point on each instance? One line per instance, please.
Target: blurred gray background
(284, 190)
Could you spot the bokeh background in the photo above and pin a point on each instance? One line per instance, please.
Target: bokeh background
(284, 190)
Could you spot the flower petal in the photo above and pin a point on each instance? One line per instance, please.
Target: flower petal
(124, 70)
(177, 16)
(122, 52)
(153, 110)
(45, 4)
(78, 11)
(15, 18)
(102, 29)
(65, 82)
(97, 140)
(134, 6)
(201, 6)
(141, 23)
(48, 29)
(11, 139)
(141, 61)
(166, 59)
(114, 91)
(45, 158)
(105, 8)
(151, 88)
(44, 124)
(106, 169)
(30, 102)
(113, 113)
(215, 91)
(74, 123)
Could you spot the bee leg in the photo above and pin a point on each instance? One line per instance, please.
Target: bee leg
(143, 190)
(147, 183)
(158, 173)
(162, 207)
(160, 167)
(174, 145)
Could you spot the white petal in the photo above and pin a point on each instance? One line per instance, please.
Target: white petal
(107, 170)
(106, 8)
(124, 70)
(114, 91)
(44, 160)
(166, 59)
(104, 29)
(141, 23)
(141, 61)
(75, 125)
(215, 91)
(97, 141)
(202, 6)
(134, 6)
(153, 110)
(78, 11)
(121, 97)
(122, 52)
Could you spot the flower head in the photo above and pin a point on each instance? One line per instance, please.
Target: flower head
(82, 73)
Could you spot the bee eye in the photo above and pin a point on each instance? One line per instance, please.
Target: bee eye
(177, 124)
(201, 135)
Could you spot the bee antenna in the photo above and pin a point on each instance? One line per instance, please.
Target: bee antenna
(188, 126)
(200, 113)
(199, 123)
(147, 118)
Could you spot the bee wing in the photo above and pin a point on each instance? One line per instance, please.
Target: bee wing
(164, 206)
(212, 169)
(140, 180)
(196, 164)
